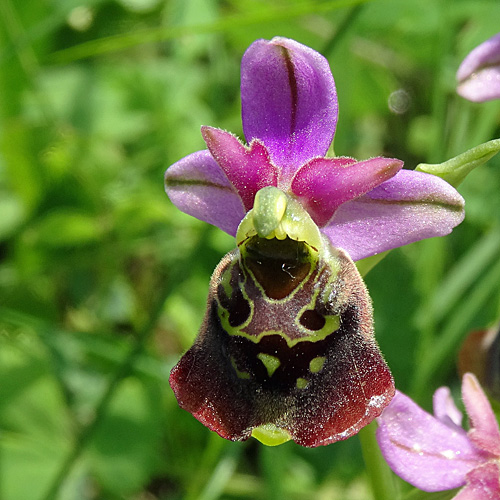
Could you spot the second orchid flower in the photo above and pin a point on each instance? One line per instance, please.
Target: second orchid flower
(287, 348)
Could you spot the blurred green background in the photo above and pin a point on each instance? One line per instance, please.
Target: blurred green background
(103, 281)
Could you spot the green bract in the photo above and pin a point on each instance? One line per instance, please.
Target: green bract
(456, 169)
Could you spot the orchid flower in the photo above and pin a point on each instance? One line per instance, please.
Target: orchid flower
(434, 453)
(479, 74)
(287, 348)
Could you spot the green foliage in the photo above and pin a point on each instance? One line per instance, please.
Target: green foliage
(103, 282)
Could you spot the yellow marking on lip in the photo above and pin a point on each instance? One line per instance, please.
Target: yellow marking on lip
(315, 337)
(272, 363)
(301, 383)
(316, 364)
(271, 435)
(225, 280)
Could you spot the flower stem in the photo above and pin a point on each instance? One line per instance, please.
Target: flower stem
(380, 475)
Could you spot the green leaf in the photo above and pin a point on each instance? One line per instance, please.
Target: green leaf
(23, 173)
(68, 227)
(366, 265)
(455, 170)
(35, 428)
(124, 449)
(436, 495)
(13, 214)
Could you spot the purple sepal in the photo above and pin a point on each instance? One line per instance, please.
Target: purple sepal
(408, 207)
(288, 101)
(445, 409)
(197, 186)
(434, 453)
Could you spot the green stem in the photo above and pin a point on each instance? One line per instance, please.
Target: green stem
(443, 45)
(342, 29)
(380, 475)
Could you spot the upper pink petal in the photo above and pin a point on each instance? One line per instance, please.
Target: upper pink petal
(323, 184)
(484, 432)
(445, 409)
(288, 101)
(484, 85)
(421, 449)
(248, 168)
(485, 54)
(197, 186)
(408, 207)
(479, 73)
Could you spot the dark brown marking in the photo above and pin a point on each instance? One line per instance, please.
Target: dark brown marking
(278, 265)
(312, 320)
(294, 95)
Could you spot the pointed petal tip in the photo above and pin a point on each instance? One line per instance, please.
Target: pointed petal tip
(484, 432)
(210, 133)
(485, 54)
(324, 184)
(248, 168)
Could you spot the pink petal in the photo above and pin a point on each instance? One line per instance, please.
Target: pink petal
(198, 187)
(483, 85)
(248, 168)
(485, 54)
(483, 483)
(479, 73)
(484, 432)
(408, 207)
(323, 184)
(445, 408)
(421, 449)
(288, 100)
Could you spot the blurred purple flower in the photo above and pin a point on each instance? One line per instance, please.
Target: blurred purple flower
(289, 113)
(435, 453)
(479, 74)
